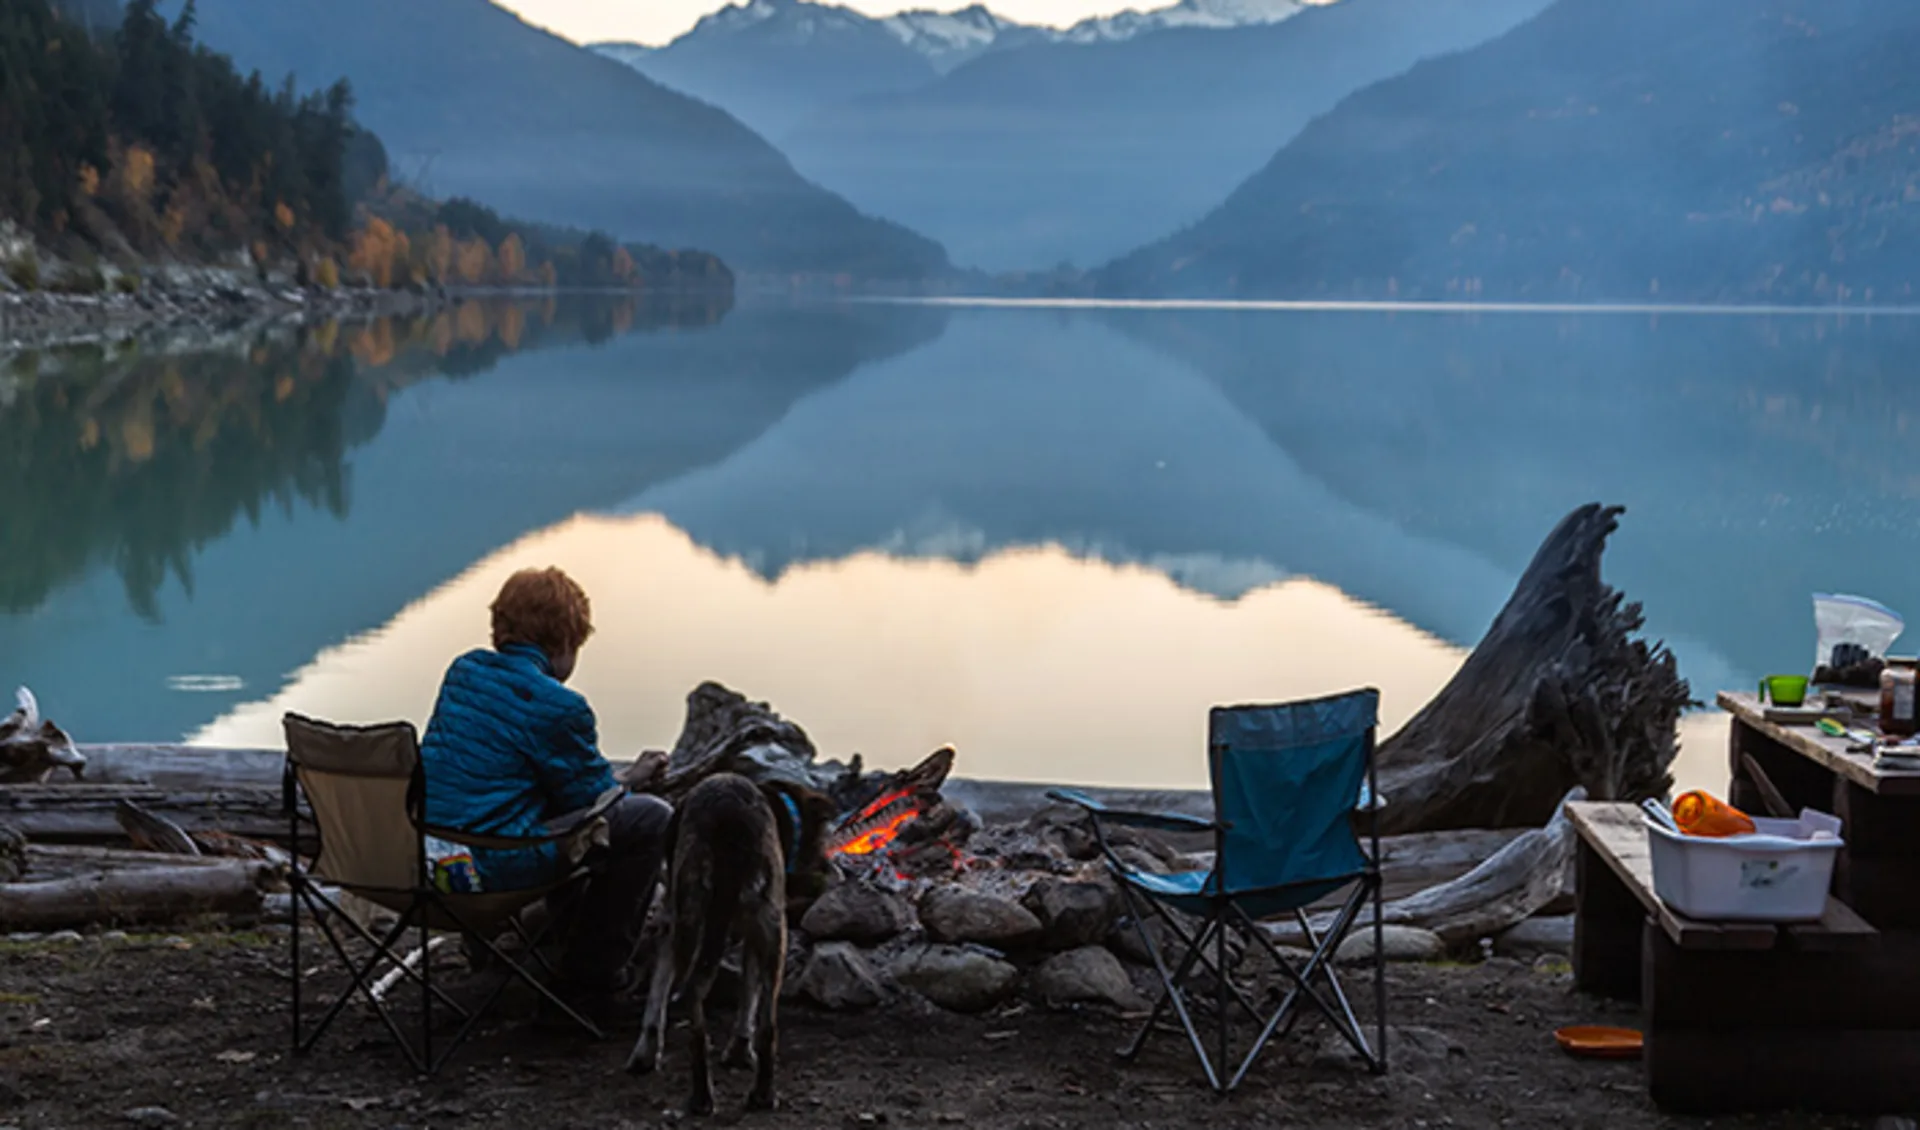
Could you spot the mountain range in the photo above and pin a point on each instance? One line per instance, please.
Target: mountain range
(472, 101)
(1080, 145)
(1757, 150)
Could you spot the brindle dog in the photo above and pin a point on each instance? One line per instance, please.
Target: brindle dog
(737, 851)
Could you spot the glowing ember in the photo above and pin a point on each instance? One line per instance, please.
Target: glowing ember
(873, 839)
(877, 826)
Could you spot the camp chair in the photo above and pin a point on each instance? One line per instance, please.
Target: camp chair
(367, 791)
(1285, 782)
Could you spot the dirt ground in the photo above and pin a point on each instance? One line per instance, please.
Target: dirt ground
(196, 1024)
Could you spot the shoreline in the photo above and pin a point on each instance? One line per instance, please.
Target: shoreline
(221, 303)
(45, 320)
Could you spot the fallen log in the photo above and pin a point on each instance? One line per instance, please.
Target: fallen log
(183, 768)
(1511, 886)
(90, 813)
(1560, 693)
(63, 861)
(134, 896)
(1516, 882)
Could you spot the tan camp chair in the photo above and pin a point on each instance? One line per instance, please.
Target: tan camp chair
(366, 788)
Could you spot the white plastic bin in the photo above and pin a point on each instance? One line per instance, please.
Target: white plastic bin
(1778, 874)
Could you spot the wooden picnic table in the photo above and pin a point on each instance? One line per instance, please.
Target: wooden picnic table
(1878, 870)
(1742, 1016)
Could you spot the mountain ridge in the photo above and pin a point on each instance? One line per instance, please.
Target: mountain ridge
(1617, 150)
(1029, 156)
(776, 63)
(533, 125)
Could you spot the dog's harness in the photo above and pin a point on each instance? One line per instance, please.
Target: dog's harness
(793, 838)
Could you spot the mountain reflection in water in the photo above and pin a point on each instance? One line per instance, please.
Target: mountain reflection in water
(1037, 664)
(1054, 537)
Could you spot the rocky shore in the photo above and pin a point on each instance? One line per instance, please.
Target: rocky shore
(218, 302)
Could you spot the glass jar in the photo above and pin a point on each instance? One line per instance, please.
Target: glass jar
(1899, 709)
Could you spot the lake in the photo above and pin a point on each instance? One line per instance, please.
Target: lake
(1052, 536)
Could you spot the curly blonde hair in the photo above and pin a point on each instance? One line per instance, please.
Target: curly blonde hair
(543, 607)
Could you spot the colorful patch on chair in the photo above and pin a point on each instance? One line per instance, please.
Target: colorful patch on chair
(452, 868)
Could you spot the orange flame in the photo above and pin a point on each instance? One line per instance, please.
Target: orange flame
(880, 835)
(875, 838)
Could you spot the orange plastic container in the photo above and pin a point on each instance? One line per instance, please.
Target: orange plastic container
(1703, 814)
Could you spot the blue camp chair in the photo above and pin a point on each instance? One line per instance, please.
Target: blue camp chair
(1290, 782)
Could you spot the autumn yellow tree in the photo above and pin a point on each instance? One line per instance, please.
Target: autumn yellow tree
(623, 268)
(439, 254)
(373, 251)
(549, 278)
(472, 259)
(512, 257)
(136, 173)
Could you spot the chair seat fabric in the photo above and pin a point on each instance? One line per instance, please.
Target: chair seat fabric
(1196, 892)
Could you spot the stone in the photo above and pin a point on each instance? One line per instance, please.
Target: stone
(857, 912)
(1124, 939)
(1537, 936)
(150, 1116)
(959, 978)
(1401, 943)
(64, 938)
(1140, 859)
(839, 977)
(951, 914)
(1071, 914)
(1089, 974)
(1413, 1050)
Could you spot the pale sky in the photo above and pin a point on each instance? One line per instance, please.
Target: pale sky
(658, 21)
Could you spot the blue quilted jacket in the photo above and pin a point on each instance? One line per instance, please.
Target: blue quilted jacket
(508, 748)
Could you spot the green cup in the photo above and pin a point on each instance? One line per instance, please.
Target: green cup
(1784, 690)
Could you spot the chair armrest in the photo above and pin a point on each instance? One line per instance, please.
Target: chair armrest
(1158, 821)
(576, 827)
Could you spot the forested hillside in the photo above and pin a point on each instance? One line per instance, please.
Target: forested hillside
(141, 139)
(125, 141)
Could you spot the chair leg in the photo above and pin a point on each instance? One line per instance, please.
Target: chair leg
(1221, 984)
(322, 902)
(1194, 946)
(1170, 990)
(514, 971)
(1342, 1018)
(426, 996)
(295, 881)
(383, 950)
(1379, 976)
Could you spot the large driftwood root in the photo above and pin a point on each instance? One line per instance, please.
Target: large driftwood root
(1559, 694)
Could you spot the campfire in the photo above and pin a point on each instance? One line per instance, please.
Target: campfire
(907, 825)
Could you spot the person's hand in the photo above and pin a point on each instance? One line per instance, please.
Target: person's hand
(646, 771)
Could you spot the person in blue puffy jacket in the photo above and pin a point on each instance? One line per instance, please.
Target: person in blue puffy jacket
(512, 750)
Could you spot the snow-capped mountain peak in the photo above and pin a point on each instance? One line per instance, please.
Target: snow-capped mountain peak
(948, 39)
(1186, 13)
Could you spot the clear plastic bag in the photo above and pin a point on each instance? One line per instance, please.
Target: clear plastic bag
(1853, 636)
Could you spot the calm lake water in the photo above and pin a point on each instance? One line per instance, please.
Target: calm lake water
(1051, 537)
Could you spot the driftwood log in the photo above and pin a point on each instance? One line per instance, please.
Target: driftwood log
(91, 813)
(135, 895)
(1559, 694)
